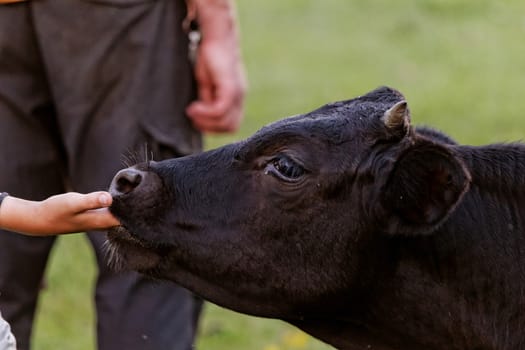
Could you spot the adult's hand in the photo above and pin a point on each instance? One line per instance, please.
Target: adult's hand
(219, 70)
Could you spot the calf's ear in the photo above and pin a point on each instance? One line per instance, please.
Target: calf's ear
(424, 187)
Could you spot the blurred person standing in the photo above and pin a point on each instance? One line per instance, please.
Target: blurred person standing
(83, 82)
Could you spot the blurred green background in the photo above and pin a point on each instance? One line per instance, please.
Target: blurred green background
(460, 63)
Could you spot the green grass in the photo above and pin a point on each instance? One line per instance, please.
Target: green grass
(460, 63)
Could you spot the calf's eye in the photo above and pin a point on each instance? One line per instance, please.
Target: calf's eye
(285, 168)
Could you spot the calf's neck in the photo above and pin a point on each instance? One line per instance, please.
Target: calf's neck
(348, 222)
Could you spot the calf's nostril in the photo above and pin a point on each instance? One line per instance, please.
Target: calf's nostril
(127, 180)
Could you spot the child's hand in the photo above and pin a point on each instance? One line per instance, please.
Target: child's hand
(63, 213)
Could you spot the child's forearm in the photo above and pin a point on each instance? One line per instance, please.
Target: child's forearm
(18, 214)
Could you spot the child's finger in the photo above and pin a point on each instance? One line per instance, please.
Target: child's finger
(94, 200)
(99, 219)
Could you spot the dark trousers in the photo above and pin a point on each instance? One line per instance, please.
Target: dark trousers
(83, 83)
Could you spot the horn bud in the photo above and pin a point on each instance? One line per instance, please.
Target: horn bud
(397, 116)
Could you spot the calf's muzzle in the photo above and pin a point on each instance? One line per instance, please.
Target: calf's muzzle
(126, 181)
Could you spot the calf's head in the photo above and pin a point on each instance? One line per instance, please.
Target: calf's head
(295, 220)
